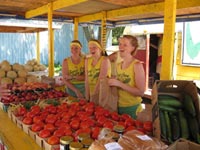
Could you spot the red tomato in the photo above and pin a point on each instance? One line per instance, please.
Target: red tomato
(106, 113)
(36, 127)
(101, 120)
(115, 116)
(68, 132)
(75, 124)
(84, 125)
(35, 107)
(44, 133)
(129, 122)
(37, 119)
(95, 132)
(123, 117)
(141, 130)
(51, 119)
(22, 111)
(89, 110)
(138, 124)
(65, 126)
(108, 124)
(147, 125)
(53, 140)
(82, 102)
(30, 114)
(27, 120)
(59, 133)
(130, 128)
(122, 124)
(49, 127)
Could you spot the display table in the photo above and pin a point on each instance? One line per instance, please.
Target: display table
(14, 137)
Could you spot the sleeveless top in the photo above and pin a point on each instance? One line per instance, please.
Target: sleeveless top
(76, 69)
(93, 73)
(127, 76)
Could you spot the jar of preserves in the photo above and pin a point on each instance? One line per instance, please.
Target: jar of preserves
(119, 129)
(75, 146)
(87, 142)
(82, 136)
(65, 141)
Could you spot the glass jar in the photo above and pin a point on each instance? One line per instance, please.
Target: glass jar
(119, 129)
(75, 146)
(87, 142)
(82, 136)
(65, 141)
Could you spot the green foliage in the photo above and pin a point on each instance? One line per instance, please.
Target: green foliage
(57, 68)
(116, 33)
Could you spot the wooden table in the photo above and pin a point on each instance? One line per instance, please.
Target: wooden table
(14, 137)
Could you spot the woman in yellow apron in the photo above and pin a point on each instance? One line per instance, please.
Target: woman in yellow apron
(97, 66)
(73, 71)
(130, 78)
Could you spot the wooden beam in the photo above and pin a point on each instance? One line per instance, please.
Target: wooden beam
(92, 17)
(59, 4)
(139, 10)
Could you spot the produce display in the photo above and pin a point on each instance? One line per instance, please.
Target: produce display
(178, 118)
(31, 92)
(16, 73)
(51, 122)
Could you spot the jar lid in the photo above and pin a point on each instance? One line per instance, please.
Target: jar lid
(84, 149)
(87, 142)
(66, 139)
(82, 136)
(75, 146)
(118, 128)
(115, 136)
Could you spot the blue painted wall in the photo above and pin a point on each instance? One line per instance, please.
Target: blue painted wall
(21, 47)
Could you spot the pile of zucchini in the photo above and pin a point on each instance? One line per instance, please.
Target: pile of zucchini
(178, 118)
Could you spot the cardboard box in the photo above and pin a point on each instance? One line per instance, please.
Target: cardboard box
(175, 88)
(183, 144)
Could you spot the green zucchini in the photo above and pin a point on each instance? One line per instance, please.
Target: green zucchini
(163, 125)
(175, 126)
(193, 127)
(168, 127)
(171, 103)
(168, 108)
(189, 105)
(183, 125)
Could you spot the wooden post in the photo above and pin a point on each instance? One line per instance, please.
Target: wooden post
(38, 46)
(168, 39)
(51, 40)
(75, 28)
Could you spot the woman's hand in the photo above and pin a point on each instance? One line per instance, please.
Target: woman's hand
(113, 82)
(67, 77)
(79, 94)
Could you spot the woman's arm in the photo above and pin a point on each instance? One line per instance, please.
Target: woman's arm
(139, 88)
(105, 66)
(87, 93)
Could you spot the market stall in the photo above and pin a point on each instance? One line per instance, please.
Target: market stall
(78, 116)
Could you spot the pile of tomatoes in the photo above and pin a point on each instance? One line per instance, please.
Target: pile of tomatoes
(53, 122)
